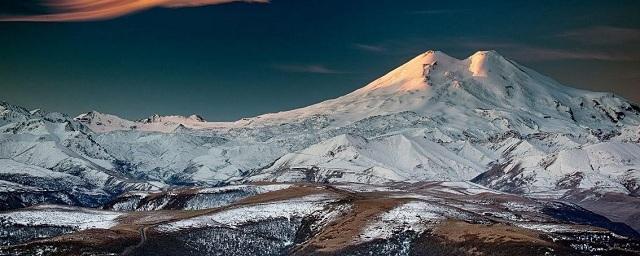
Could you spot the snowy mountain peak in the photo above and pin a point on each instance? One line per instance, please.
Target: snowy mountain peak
(196, 118)
(12, 113)
(482, 62)
(435, 67)
(155, 118)
(412, 75)
(151, 119)
(99, 122)
(88, 115)
(6, 108)
(484, 91)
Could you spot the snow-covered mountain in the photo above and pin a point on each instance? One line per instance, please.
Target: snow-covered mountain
(47, 157)
(439, 118)
(484, 118)
(100, 122)
(484, 92)
(394, 158)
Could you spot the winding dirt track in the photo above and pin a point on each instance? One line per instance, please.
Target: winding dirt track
(143, 239)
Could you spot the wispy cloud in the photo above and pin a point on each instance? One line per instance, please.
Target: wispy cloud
(437, 11)
(603, 35)
(312, 68)
(84, 10)
(369, 47)
(534, 53)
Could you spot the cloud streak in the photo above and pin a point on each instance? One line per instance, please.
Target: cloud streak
(438, 11)
(603, 35)
(312, 69)
(533, 53)
(369, 47)
(87, 10)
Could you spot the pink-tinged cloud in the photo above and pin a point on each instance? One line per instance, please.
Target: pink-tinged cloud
(86, 10)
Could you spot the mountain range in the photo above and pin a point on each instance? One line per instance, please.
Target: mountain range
(484, 121)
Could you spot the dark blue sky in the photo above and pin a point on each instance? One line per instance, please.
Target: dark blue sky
(237, 60)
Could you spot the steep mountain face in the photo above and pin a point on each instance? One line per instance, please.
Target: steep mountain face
(484, 118)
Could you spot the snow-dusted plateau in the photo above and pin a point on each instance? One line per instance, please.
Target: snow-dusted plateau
(441, 156)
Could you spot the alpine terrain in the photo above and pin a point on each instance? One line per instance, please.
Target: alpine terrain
(441, 156)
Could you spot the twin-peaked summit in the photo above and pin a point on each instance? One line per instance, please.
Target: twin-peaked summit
(417, 74)
(485, 92)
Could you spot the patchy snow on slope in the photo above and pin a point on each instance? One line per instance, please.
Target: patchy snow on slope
(548, 227)
(79, 218)
(126, 205)
(222, 196)
(7, 186)
(416, 216)
(464, 188)
(258, 188)
(357, 187)
(522, 207)
(299, 207)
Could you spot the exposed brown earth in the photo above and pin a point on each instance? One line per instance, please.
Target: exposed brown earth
(136, 225)
(342, 235)
(459, 231)
(284, 194)
(85, 242)
(345, 230)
